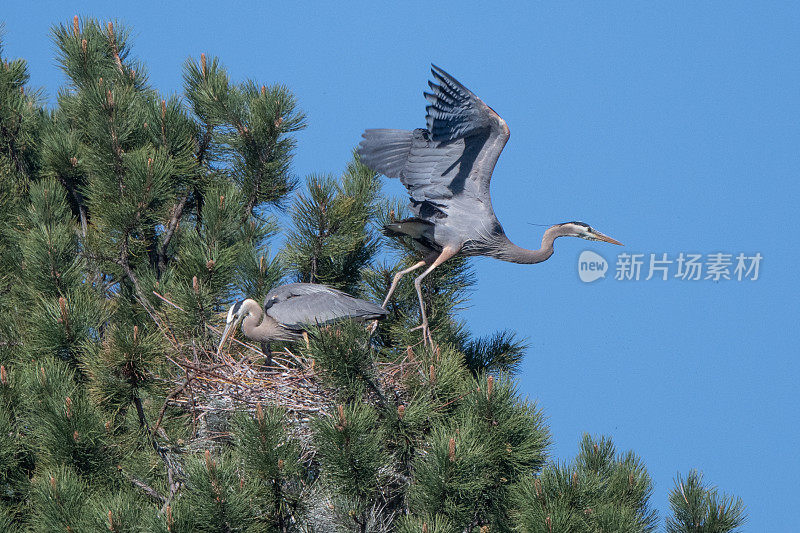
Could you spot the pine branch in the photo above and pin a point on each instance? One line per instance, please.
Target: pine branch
(171, 396)
(172, 225)
(175, 471)
(77, 201)
(126, 268)
(205, 143)
(13, 152)
(150, 491)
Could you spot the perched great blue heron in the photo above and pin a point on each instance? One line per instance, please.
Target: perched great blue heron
(288, 310)
(447, 169)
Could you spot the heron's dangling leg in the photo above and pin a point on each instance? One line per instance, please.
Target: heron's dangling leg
(396, 280)
(266, 349)
(392, 288)
(446, 254)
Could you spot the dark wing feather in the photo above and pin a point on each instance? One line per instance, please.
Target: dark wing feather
(298, 305)
(454, 111)
(454, 157)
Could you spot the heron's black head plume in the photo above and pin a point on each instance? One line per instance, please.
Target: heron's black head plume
(234, 311)
(584, 231)
(584, 224)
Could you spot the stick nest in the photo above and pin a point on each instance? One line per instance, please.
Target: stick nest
(214, 386)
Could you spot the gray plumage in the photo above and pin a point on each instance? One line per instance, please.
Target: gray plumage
(447, 169)
(297, 305)
(290, 309)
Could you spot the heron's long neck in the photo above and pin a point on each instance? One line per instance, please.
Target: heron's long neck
(267, 330)
(508, 251)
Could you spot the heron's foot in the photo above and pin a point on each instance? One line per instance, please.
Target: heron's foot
(426, 333)
(373, 327)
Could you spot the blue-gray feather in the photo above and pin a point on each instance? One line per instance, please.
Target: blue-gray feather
(448, 166)
(385, 150)
(297, 305)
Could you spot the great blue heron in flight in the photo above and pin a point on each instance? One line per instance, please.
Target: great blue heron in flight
(290, 309)
(447, 169)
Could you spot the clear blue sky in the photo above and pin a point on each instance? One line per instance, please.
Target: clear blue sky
(673, 127)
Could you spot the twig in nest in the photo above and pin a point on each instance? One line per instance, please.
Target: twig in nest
(214, 375)
(249, 346)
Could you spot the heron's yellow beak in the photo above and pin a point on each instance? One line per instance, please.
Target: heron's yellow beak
(225, 332)
(606, 238)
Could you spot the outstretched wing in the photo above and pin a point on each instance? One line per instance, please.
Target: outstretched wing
(453, 158)
(455, 112)
(298, 305)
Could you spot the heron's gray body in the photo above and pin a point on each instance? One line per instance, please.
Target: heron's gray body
(290, 309)
(298, 305)
(447, 169)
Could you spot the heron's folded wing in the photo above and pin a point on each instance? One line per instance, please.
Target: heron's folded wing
(283, 292)
(300, 305)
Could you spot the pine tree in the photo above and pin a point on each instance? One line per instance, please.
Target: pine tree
(133, 220)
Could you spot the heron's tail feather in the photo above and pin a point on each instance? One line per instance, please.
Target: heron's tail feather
(385, 150)
(410, 227)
